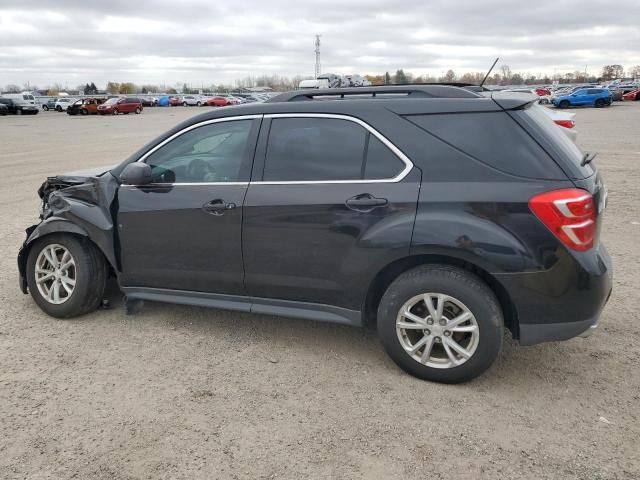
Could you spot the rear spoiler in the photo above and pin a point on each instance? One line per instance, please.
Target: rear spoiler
(513, 100)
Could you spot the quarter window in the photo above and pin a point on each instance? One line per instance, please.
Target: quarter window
(326, 149)
(210, 153)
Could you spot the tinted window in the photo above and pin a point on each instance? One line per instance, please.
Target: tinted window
(381, 162)
(211, 153)
(314, 149)
(322, 149)
(594, 91)
(494, 139)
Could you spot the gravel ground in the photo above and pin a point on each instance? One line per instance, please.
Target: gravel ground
(189, 393)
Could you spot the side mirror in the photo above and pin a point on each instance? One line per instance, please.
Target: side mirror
(136, 173)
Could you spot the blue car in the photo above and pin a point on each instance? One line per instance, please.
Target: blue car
(594, 97)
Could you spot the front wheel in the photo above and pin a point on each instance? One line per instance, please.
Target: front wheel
(600, 103)
(564, 104)
(138, 111)
(184, 104)
(58, 108)
(66, 275)
(45, 108)
(115, 111)
(440, 323)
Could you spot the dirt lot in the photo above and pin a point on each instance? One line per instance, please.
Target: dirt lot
(190, 393)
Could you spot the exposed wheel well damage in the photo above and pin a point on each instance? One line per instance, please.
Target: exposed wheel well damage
(388, 274)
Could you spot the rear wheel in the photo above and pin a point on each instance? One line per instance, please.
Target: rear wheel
(198, 104)
(138, 111)
(600, 103)
(66, 275)
(440, 323)
(184, 104)
(45, 108)
(564, 104)
(84, 111)
(19, 111)
(58, 108)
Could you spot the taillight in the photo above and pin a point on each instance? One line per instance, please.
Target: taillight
(565, 123)
(570, 215)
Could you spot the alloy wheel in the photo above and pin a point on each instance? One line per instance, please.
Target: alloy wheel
(437, 330)
(55, 273)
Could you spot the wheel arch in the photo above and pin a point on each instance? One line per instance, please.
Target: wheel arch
(52, 226)
(390, 272)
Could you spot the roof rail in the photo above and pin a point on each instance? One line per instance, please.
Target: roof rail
(414, 91)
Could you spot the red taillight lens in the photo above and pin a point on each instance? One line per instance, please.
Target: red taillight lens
(566, 123)
(570, 214)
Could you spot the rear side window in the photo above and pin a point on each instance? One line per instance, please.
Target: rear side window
(594, 91)
(555, 141)
(326, 149)
(494, 139)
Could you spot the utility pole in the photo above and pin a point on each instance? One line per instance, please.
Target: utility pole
(317, 72)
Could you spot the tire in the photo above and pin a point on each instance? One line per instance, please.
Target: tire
(115, 111)
(564, 104)
(461, 291)
(599, 103)
(184, 104)
(138, 111)
(84, 111)
(89, 272)
(45, 108)
(58, 108)
(198, 104)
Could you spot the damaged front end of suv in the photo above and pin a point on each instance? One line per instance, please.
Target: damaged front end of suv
(74, 204)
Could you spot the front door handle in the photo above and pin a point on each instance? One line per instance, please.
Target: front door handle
(365, 202)
(218, 206)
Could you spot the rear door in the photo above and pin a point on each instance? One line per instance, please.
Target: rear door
(331, 201)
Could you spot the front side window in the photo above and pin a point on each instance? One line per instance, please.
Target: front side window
(326, 149)
(210, 153)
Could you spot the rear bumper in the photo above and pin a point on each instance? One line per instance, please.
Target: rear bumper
(563, 302)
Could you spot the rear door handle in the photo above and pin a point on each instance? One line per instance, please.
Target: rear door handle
(218, 206)
(365, 202)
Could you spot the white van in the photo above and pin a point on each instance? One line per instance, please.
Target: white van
(318, 83)
(24, 102)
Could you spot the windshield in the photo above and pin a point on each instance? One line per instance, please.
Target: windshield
(111, 101)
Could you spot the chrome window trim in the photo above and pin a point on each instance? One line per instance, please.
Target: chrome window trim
(188, 129)
(407, 162)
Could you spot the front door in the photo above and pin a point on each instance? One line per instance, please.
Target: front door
(183, 231)
(329, 204)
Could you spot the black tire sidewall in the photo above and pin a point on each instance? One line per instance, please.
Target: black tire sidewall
(462, 285)
(90, 276)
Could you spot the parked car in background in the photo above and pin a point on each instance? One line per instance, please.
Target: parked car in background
(594, 97)
(565, 120)
(191, 101)
(4, 110)
(149, 101)
(632, 95)
(174, 101)
(116, 105)
(616, 93)
(49, 104)
(24, 103)
(314, 209)
(543, 94)
(8, 103)
(63, 103)
(221, 101)
(85, 106)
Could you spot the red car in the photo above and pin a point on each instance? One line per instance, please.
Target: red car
(125, 105)
(632, 95)
(220, 101)
(174, 101)
(542, 92)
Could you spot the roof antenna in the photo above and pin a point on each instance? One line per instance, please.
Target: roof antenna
(487, 75)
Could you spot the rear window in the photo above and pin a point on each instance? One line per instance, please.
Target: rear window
(555, 141)
(494, 139)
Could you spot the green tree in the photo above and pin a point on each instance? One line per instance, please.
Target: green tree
(387, 78)
(113, 87)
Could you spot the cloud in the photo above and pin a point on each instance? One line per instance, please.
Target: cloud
(204, 42)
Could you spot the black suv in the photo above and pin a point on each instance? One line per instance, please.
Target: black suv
(439, 214)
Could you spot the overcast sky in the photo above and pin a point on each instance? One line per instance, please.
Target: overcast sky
(216, 41)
